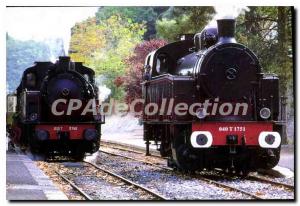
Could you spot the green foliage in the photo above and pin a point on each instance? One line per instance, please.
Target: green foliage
(21, 55)
(137, 14)
(87, 38)
(145, 14)
(183, 20)
(269, 35)
(105, 45)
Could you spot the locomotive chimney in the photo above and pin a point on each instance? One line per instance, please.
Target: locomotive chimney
(64, 64)
(226, 30)
(64, 58)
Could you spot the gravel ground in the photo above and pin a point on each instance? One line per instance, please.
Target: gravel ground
(162, 162)
(152, 159)
(261, 189)
(97, 184)
(264, 190)
(101, 186)
(170, 184)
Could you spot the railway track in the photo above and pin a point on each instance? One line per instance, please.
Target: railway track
(206, 178)
(125, 180)
(200, 177)
(129, 149)
(160, 197)
(74, 186)
(122, 148)
(134, 159)
(260, 179)
(292, 187)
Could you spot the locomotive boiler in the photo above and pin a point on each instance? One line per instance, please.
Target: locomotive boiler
(57, 110)
(224, 113)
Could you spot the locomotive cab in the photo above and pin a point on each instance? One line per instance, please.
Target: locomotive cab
(164, 60)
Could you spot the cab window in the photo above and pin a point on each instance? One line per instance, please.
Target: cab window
(30, 80)
(162, 63)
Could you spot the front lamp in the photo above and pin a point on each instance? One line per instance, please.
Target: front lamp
(265, 113)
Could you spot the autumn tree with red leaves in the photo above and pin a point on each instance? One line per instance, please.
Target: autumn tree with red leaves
(134, 73)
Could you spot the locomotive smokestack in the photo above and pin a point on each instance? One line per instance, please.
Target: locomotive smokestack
(64, 58)
(64, 64)
(226, 30)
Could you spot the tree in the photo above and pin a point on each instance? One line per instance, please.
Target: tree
(135, 68)
(143, 14)
(19, 56)
(271, 27)
(183, 20)
(284, 45)
(105, 45)
(268, 32)
(87, 38)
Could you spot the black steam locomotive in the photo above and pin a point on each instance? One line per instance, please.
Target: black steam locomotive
(232, 118)
(57, 110)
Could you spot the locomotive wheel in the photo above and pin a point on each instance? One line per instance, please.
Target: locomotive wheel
(269, 159)
(35, 146)
(242, 171)
(182, 154)
(79, 156)
(95, 147)
(78, 153)
(185, 160)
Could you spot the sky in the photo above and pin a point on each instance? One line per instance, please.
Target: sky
(39, 23)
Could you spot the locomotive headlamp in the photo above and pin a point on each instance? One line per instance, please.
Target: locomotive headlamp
(33, 116)
(269, 139)
(30, 80)
(201, 113)
(41, 134)
(265, 113)
(90, 134)
(201, 139)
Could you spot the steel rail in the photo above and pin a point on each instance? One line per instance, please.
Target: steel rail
(110, 145)
(271, 182)
(232, 188)
(263, 180)
(131, 158)
(128, 148)
(86, 196)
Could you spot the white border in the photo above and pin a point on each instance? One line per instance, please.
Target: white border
(194, 139)
(148, 3)
(262, 140)
(5, 3)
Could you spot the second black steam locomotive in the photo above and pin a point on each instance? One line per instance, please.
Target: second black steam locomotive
(57, 110)
(232, 119)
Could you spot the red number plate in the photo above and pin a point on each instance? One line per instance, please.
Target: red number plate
(219, 130)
